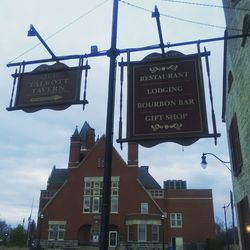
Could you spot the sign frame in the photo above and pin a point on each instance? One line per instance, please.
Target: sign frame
(54, 87)
(142, 100)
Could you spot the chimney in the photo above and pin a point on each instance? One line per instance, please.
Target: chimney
(90, 138)
(75, 146)
(132, 154)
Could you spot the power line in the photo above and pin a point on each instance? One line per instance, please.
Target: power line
(61, 29)
(78, 18)
(141, 8)
(207, 5)
(195, 22)
(25, 52)
(179, 18)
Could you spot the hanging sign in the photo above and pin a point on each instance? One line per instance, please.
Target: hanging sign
(166, 100)
(54, 86)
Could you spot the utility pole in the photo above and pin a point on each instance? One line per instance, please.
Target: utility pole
(112, 53)
(225, 217)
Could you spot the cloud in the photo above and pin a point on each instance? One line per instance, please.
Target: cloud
(31, 143)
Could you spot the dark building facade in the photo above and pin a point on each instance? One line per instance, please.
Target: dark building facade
(142, 216)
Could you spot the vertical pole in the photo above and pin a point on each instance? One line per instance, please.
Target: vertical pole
(163, 231)
(225, 216)
(233, 222)
(40, 220)
(113, 53)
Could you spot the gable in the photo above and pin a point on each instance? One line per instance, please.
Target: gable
(146, 179)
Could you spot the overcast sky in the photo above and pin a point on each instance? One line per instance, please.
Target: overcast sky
(31, 143)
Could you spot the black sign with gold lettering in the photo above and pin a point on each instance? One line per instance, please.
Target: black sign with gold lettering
(48, 86)
(166, 100)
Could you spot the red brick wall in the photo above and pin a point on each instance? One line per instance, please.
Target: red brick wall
(196, 207)
(198, 218)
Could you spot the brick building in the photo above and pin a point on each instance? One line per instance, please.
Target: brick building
(143, 215)
(236, 112)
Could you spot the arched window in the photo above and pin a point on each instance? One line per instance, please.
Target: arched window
(235, 147)
(230, 80)
(245, 29)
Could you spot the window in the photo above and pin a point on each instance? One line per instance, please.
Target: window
(92, 194)
(112, 238)
(94, 236)
(114, 196)
(175, 184)
(86, 204)
(130, 232)
(114, 204)
(95, 230)
(157, 193)
(87, 188)
(96, 204)
(175, 219)
(144, 208)
(97, 186)
(235, 147)
(100, 162)
(56, 230)
(47, 194)
(155, 233)
(142, 232)
(177, 242)
(230, 80)
(115, 188)
(245, 29)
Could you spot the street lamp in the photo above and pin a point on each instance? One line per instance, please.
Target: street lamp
(162, 224)
(204, 161)
(248, 228)
(204, 165)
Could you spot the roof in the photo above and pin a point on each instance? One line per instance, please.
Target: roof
(146, 178)
(58, 176)
(76, 133)
(84, 131)
(82, 134)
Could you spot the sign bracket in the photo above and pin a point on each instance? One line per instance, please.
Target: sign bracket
(211, 98)
(33, 32)
(126, 50)
(156, 15)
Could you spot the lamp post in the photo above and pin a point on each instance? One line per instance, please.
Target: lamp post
(204, 165)
(225, 216)
(162, 224)
(204, 161)
(40, 230)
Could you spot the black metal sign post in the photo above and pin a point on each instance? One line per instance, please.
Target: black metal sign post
(112, 53)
